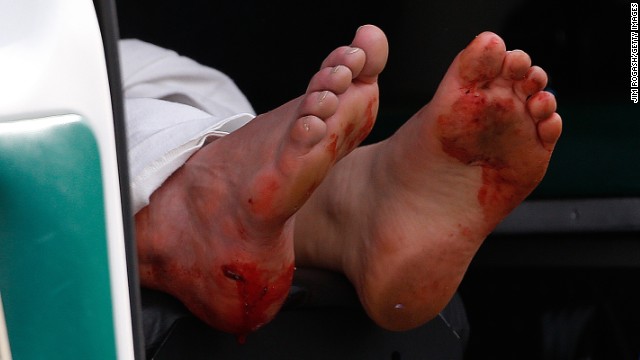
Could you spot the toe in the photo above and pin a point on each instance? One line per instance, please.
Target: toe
(366, 56)
(373, 42)
(482, 59)
(534, 81)
(541, 105)
(349, 56)
(322, 104)
(333, 78)
(549, 131)
(516, 64)
(306, 132)
(310, 127)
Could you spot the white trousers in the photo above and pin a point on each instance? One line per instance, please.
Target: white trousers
(172, 105)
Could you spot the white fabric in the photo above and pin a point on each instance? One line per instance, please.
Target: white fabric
(172, 105)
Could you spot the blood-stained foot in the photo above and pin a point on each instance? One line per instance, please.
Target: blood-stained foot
(218, 234)
(403, 218)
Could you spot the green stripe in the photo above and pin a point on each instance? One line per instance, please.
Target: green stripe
(54, 271)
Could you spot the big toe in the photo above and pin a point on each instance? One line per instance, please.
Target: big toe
(366, 57)
(374, 42)
(482, 59)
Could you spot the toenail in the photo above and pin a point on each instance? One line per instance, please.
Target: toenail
(399, 306)
(352, 50)
(335, 69)
(323, 95)
(306, 126)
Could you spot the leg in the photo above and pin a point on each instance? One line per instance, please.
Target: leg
(218, 234)
(404, 217)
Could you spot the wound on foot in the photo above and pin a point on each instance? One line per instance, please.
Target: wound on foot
(257, 295)
(480, 132)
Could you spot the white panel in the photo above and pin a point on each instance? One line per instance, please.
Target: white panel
(52, 62)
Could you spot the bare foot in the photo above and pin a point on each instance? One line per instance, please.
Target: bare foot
(405, 216)
(218, 234)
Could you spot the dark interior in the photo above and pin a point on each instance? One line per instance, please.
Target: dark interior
(534, 291)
